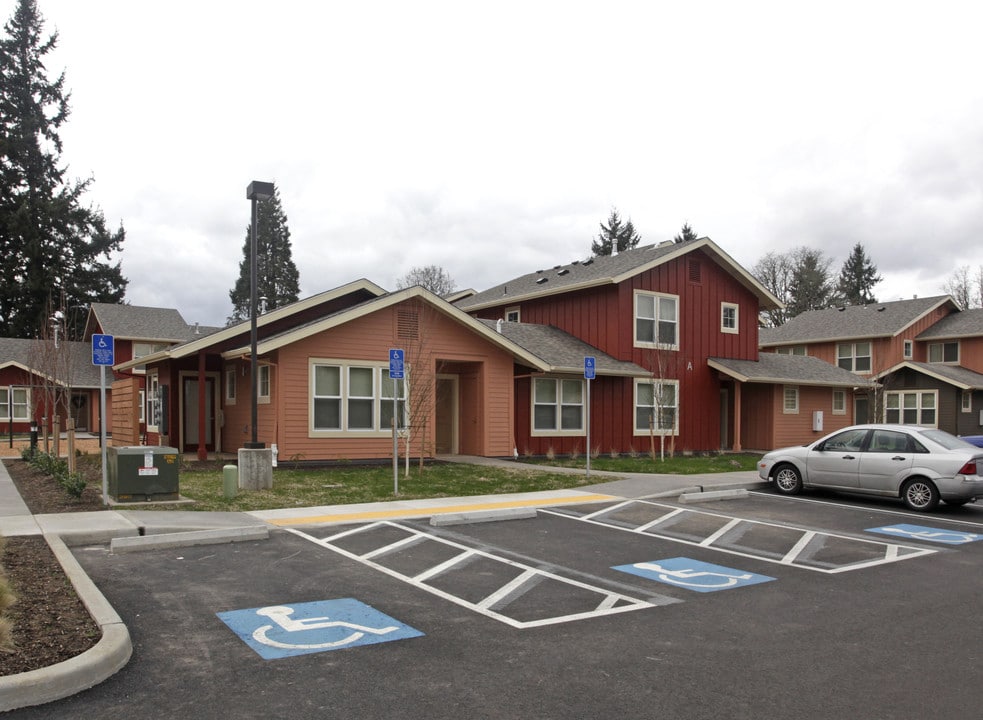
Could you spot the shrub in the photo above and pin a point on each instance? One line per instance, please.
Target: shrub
(72, 483)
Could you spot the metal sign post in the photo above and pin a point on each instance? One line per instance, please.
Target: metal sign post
(590, 365)
(103, 354)
(395, 373)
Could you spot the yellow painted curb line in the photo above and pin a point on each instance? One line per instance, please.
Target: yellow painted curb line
(416, 512)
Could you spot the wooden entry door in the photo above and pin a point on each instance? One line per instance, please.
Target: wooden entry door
(192, 433)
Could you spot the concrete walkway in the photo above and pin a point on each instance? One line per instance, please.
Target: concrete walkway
(131, 530)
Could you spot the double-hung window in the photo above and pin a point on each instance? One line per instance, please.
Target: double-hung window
(790, 402)
(263, 384)
(839, 402)
(917, 407)
(854, 357)
(15, 404)
(656, 407)
(230, 386)
(656, 320)
(356, 398)
(153, 402)
(728, 318)
(557, 407)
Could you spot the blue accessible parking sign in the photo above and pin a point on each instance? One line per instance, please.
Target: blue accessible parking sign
(693, 574)
(279, 631)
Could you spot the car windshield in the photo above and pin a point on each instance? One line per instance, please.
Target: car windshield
(949, 442)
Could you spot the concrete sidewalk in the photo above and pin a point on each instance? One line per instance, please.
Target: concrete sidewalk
(129, 530)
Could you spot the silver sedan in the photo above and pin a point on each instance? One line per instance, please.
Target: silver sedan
(919, 465)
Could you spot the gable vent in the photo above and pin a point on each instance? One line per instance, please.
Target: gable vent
(407, 324)
(695, 269)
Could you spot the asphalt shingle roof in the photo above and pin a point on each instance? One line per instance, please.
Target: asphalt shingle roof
(76, 356)
(563, 351)
(956, 374)
(967, 323)
(853, 321)
(134, 322)
(601, 270)
(774, 368)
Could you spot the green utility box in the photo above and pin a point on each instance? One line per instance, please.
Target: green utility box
(142, 473)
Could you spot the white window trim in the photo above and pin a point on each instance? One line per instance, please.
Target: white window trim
(786, 410)
(908, 349)
(345, 365)
(510, 310)
(919, 394)
(853, 356)
(967, 401)
(153, 400)
(724, 307)
(231, 387)
(634, 324)
(841, 410)
(558, 432)
(11, 406)
(941, 346)
(142, 395)
(644, 432)
(262, 399)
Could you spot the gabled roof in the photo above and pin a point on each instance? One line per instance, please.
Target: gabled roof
(853, 322)
(563, 352)
(775, 369)
(357, 289)
(134, 322)
(374, 305)
(956, 375)
(610, 270)
(963, 324)
(74, 358)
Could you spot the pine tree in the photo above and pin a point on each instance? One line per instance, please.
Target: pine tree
(811, 287)
(685, 235)
(277, 278)
(615, 236)
(857, 279)
(52, 247)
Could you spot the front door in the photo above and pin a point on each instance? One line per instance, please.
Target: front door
(193, 433)
(447, 415)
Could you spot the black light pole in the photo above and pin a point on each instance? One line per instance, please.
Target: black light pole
(254, 192)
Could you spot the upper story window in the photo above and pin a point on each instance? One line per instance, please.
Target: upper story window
(728, 317)
(143, 349)
(656, 320)
(791, 350)
(943, 352)
(558, 406)
(908, 350)
(854, 357)
(512, 314)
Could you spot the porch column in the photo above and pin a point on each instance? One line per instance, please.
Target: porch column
(737, 415)
(202, 397)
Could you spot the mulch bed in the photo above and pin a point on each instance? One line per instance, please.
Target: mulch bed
(50, 623)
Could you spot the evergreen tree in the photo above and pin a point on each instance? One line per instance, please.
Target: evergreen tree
(615, 237)
(811, 287)
(277, 278)
(857, 279)
(52, 247)
(685, 235)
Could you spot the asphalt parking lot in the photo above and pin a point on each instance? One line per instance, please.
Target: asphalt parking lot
(812, 607)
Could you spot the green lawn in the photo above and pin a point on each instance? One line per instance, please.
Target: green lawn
(361, 484)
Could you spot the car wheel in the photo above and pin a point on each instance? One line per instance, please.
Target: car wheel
(920, 495)
(788, 479)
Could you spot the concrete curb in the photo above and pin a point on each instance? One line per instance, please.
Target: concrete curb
(186, 539)
(83, 671)
(463, 518)
(687, 498)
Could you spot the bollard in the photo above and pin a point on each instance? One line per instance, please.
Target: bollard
(230, 481)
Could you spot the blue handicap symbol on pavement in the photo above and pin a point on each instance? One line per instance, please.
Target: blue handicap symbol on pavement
(281, 631)
(693, 574)
(920, 532)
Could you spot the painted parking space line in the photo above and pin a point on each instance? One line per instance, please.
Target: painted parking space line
(929, 534)
(782, 544)
(497, 587)
(280, 631)
(693, 574)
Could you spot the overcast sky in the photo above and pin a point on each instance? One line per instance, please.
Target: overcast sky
(491, 138)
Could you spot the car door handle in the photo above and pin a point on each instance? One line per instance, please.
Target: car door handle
(899, 457)
(849, 457)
